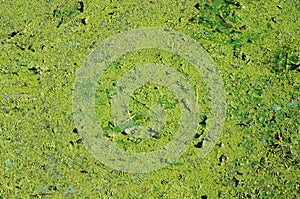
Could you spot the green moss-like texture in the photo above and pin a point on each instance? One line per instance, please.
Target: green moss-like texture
(255, 45)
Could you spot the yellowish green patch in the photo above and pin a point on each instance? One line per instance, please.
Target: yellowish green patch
(255, 45)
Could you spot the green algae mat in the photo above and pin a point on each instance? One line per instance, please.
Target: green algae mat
(150, 99)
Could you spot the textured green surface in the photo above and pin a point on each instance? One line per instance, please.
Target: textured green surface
(254, 43)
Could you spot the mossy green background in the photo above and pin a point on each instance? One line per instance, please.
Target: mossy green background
(44, 42)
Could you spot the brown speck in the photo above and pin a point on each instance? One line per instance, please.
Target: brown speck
(79, 141)
(244, 27)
